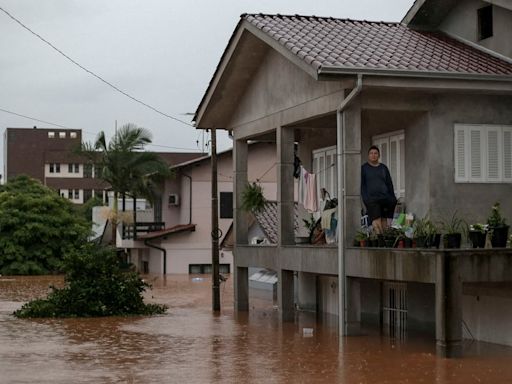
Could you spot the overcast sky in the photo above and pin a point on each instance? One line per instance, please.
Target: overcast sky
(163, 52)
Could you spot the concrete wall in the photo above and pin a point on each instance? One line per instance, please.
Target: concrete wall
(328, 294)
(480, 314)
(463, 22)
(472, 201)
(277, 85)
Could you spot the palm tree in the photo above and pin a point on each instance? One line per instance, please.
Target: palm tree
(125, 165)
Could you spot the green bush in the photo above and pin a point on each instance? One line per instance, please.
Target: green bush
(95, 286)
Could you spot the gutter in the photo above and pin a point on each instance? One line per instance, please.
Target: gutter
(340, 155)
(148, 244)
(336, 71)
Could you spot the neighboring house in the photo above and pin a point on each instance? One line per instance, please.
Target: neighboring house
(178, 240)
(435, 93)
(48, 155)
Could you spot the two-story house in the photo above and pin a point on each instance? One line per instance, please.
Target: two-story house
(434, 92)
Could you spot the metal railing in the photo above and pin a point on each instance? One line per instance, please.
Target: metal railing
(131, 231)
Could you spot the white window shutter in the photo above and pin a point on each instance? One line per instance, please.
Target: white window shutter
(393, 164)
(507, 154)
(401, 180)
(461, 168)
(476, 163)
(494, 154)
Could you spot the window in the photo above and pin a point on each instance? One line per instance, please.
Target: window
(70, 168)
(324, 166)
(77, 168)
(70, 194)
(73, 135)
(483, 153)
(206, 268)
(392, 154)
(54, 168)
(226, 205)
(485, 22)
(62, 135)
(51, 135)
(76, 194)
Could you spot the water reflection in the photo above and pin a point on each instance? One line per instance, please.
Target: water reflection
(190, 344)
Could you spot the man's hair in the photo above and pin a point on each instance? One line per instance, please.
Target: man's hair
(374, 147)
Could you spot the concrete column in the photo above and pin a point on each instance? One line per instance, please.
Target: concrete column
(353, 316)
(307, 291)
(241, 286)
(448, 306)
(240, 222)
(285, 185)
(352, 161)
(285, 295)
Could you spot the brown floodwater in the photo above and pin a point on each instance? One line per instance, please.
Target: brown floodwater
(190, 344)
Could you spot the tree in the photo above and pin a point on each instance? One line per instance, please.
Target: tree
(125, 165)
(37, 227)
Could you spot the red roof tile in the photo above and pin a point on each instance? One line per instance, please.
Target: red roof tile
(350, 44)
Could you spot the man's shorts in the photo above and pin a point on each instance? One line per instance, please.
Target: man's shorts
(383, 209)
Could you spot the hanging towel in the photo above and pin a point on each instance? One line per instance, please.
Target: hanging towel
(326, 217)
(302, 185)
(311, 199)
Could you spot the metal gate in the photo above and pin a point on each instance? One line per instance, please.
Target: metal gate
(394, 309)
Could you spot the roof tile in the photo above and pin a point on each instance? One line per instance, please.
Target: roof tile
(343, 43)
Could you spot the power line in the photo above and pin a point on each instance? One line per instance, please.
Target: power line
(91, 72)
(84, 131)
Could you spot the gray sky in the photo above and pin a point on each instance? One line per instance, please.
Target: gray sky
(163, 52)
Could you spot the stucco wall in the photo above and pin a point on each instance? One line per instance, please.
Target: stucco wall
(463, 22)
(277, 85)
(472, 200)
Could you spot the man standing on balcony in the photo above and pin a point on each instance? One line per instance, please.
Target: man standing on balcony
(377, 191)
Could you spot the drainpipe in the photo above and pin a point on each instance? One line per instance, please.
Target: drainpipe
(189, 197)
(148, 244)
(342, 221)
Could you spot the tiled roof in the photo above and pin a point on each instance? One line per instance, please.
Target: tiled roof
(325, 42)
(267, 219)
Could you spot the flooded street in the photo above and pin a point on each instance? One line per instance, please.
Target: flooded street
(191, 345)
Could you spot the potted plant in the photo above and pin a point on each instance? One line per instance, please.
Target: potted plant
(477, 233)
(391, 236)
(453, 231)
(373, 239)
(422, 231)
(362, 238)
(497, 227)
(252, 198)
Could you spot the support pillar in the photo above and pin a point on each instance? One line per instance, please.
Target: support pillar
(448, 306)
(285, 186)
(285, 295)
(240, 225)
(241, 285)
(353, 317)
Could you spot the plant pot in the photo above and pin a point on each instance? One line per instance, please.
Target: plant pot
(477, 238)
(363, 243)
(452, 240)
(389, 243)
(407, 243)
(499, 237)
(374, 243)
(421, 242)
(434, 241)
(380, 241)
(355, 243)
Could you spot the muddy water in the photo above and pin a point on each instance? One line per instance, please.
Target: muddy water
(191, 345)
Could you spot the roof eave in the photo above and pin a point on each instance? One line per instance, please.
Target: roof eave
(340, 71)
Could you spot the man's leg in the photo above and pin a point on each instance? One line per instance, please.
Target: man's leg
(377, 226)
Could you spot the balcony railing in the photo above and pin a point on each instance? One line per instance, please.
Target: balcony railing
(131, 231)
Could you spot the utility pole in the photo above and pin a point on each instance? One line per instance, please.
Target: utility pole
(215, 228)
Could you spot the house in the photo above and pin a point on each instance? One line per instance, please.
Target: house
(434, 92)
(178, 239)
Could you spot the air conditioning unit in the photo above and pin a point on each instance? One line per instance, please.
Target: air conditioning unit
(174, 199)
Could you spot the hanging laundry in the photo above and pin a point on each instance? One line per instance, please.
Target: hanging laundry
(311, 199)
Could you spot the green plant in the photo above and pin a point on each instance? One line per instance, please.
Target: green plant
(424, 227)
(478, 227)
(96, 285)
(252, 198)
(453, 225)
(309, 223)
(361, 236)
(495, 219)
